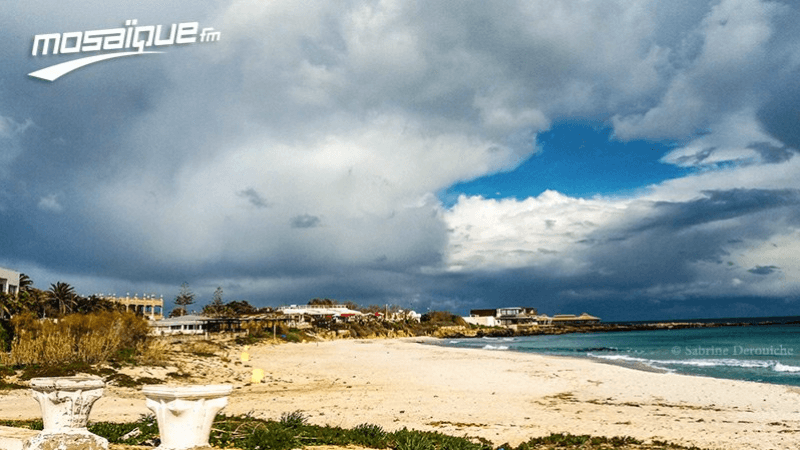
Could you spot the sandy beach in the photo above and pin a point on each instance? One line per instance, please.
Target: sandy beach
(498, 395)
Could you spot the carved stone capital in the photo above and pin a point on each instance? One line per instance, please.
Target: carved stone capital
(185, 413)
(66, 403)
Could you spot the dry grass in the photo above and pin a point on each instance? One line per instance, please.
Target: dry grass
(202, 348)
(86, 338)
(153, 352)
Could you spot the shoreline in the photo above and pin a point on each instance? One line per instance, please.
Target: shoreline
(500, 396)
(466, 332)
(755, 362)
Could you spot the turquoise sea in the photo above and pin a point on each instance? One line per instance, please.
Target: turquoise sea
(761, 353)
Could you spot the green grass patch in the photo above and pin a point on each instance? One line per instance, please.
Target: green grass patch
(57, 370)
(35, 424)
(292, 431)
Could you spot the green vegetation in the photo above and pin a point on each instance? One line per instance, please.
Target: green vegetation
(184, 298)
(58, 301)
(76, 338)
(293, 431)
(60, 333)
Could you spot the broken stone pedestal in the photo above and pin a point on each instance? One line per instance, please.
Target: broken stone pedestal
(185, 413)
(65, 403)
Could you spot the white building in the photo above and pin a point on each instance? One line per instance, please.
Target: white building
(305, 313)
(507, 317)
(9, 281)
(189, 324)
(148, 306)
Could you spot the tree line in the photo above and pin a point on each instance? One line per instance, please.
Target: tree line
(59, 300)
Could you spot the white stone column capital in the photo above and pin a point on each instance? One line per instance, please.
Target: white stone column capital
(185, 413)
(66, 403)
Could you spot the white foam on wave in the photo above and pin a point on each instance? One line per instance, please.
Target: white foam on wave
(495, 347)
(745, 363)
(632, 359)
(785, 368)
(703, 363)
(622, 358)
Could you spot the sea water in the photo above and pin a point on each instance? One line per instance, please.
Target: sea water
(762, 353)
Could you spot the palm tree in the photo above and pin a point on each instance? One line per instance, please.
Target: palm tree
(25, 282)
(64, 295)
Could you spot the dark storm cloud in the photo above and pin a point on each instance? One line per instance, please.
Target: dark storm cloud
(764, 270)
(716, 206)
(305, 221)
(662, 248)
(771, 154)
(254, 198)
(780, 114)
(203, 162)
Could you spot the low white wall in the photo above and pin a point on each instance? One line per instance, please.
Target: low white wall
(484, 321)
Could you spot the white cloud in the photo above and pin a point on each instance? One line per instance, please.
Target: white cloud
(732, 140)
(369, 183)
(763, 176)
(722, 78)
(674, 240)
(547, 232)
(50, 203)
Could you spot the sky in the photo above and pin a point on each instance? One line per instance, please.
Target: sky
(633, 159)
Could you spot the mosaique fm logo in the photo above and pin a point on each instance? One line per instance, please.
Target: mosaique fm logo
(132, 36)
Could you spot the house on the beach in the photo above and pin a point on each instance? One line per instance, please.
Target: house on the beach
(304, 315)
(149, 305)
(572, 319)
(9, 281)
(516, 317)
(189, 324)
(294, 316)
(506, 317)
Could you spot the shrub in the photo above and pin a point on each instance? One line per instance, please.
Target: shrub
(135, 433)
(56, 370)
(202, 348)
(77, 338)
(153, 351)
(412, 440)
(5, 335)
(273, 438)
(369, 435)
(443, 318)
(358, 331)
(295, 419)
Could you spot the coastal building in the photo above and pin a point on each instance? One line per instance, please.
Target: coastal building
(189, 324)
(9, 281)
(401, 315)
(572, 319)
(148, 306)
(304, 315)
(506, 317)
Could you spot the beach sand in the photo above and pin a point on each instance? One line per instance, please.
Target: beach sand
(497, 395)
